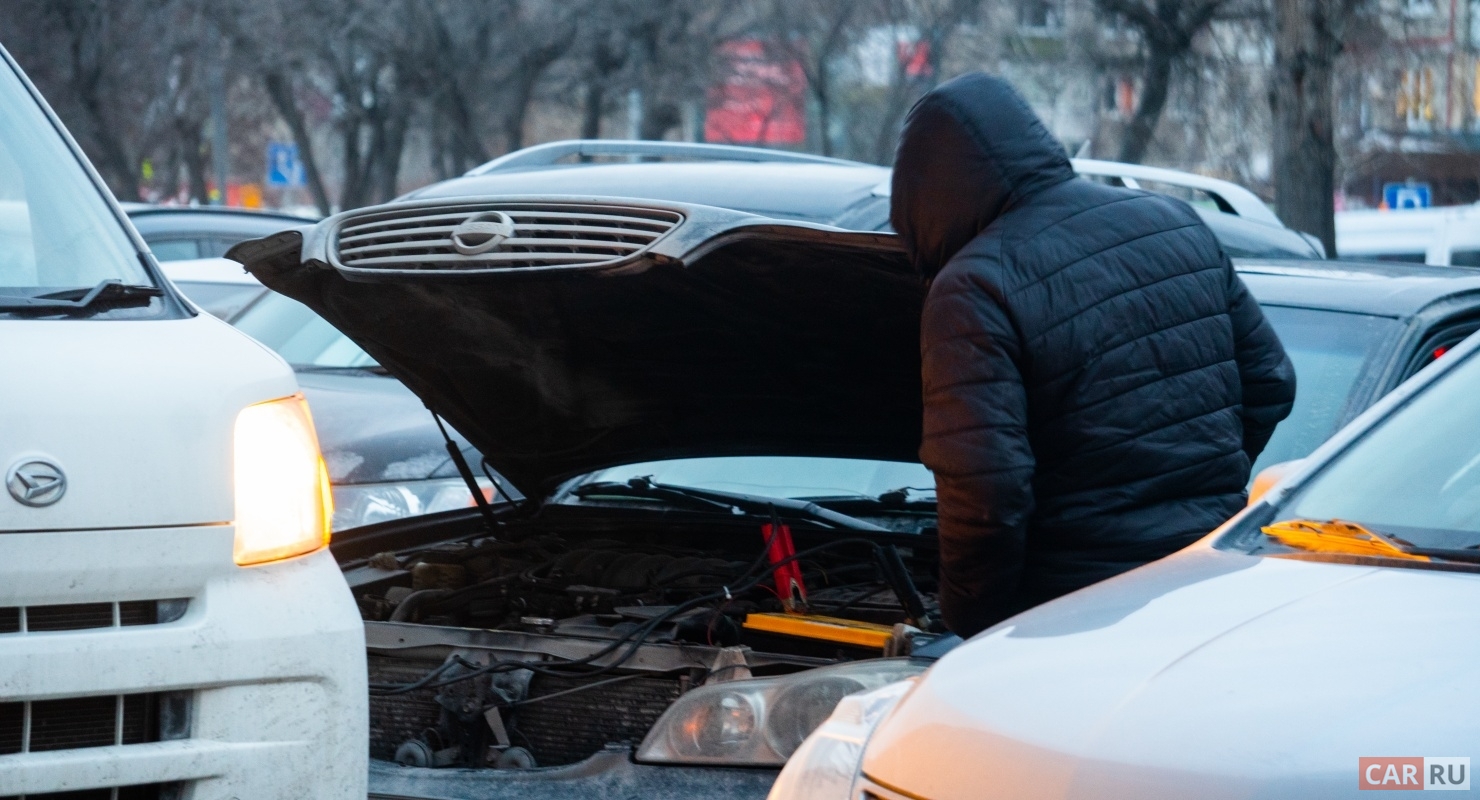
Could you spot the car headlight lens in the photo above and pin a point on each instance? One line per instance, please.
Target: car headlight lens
(368, 503)
(760, 721)
(282, 488)
(826, 766)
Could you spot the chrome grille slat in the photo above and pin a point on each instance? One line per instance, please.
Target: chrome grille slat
(489, 258)
(560, 234)
(432, 245)
(552, 227)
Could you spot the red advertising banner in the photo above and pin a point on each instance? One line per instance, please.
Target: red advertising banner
(761, 100)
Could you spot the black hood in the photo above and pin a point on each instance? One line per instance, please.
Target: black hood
(731, 335)
(970, 150)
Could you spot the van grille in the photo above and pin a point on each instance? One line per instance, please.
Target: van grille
(36, 726)
(150, 792)
(87, 616)
(542, 235)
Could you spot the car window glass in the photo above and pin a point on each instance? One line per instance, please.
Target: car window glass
(1439, 343)
(300, 336)
(1329, 350)
(56, 231)
(780, 476)
(217, 246)
(1465, 258)
(1417, 475)
(1400, 258)
(175, 249)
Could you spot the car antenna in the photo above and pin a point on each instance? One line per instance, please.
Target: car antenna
(467, 474)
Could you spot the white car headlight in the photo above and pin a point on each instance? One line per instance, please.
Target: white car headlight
(826, 766)
(282, 488)
(761, 721)
(359, 504)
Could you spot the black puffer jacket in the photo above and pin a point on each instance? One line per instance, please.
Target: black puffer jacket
(1097, 378)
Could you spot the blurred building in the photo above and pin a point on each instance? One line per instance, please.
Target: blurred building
(1409, 108)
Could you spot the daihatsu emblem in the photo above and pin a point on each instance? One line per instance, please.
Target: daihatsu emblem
(37, 482)
(481, 233)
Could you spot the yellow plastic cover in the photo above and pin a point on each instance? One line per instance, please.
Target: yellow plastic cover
(814, 626)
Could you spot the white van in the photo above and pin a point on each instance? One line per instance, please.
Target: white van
(171, 623)
(1446, 237)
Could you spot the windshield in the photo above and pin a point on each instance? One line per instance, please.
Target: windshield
(301, 337)
(780, 476)
(1416, 477)
(56, 231)
(1330, 350)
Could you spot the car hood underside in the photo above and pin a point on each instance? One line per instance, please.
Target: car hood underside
(746, 337)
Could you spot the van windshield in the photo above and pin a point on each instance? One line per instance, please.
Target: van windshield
(56, 231)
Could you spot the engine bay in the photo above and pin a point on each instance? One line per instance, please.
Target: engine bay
(554, 637)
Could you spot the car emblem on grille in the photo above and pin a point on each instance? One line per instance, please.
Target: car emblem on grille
(481, 233)
(36, 482)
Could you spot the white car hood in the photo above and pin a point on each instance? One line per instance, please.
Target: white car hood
(1210, 674)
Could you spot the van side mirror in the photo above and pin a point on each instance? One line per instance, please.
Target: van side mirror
(1271, 475)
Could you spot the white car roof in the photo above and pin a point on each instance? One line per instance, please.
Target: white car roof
(1230, 197)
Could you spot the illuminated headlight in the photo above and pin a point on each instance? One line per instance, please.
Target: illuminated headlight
(282, 488)
(761, 721)
(368, 503)
(827, 765)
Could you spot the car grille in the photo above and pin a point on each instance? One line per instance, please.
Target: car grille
(86, 616)
(543, 235)
(36, 726)
(567, 729)
(561, 730)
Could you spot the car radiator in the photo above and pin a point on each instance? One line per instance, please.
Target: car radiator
(561, 730)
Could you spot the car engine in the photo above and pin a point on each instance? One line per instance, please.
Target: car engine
(550, 639)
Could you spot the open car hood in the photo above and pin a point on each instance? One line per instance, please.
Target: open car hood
(601, 331)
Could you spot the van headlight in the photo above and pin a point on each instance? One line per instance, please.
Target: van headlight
(357, 504)
(283, 505)
(827, 765)
(761, 721)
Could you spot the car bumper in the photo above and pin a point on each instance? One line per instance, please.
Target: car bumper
(609, 774)
(268, 661)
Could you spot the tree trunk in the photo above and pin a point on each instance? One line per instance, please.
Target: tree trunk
(191, 142)
(1306, 46)
(281, 94)
(1154, 87)
(591, 112)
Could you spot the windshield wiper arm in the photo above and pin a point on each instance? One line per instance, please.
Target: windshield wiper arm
(758, 505)
(111, 291)
(1354, 538)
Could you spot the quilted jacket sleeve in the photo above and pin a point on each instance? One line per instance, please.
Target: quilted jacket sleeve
(976, 442)
(1266, 372)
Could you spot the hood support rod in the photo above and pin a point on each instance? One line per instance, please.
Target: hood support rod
(466, 472)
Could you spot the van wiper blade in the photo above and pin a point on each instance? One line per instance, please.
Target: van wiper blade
(728, 502)
(109, 292)
(1354, 538)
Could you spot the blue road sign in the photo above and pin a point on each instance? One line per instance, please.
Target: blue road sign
(283, 166)
(1407, 195)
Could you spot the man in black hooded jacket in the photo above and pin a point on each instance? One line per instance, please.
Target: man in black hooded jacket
(1097, 378)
